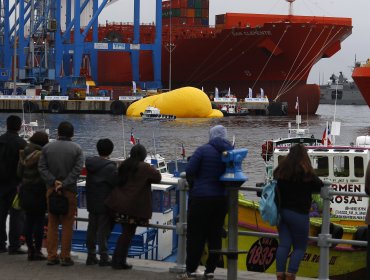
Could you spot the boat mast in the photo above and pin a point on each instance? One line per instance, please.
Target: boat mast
(290, 6)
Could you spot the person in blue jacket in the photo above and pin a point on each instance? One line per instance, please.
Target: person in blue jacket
(207, 205)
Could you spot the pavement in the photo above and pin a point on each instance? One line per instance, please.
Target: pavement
(16, 267)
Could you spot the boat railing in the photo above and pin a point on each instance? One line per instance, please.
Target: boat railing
(324, 240)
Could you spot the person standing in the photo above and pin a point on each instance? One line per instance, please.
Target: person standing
(33, 194)
(100, 180)
(367, 219)
(296, 181)
(207, 205)
(10, 145)
(60, 166)
(133, 207)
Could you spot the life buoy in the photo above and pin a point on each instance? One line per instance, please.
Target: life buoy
(118, 108)
(55, 106)
(30, 107)
(267, 150)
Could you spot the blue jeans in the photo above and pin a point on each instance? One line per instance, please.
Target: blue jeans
(293, 231)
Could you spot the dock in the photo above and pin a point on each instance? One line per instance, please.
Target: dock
(17, 267)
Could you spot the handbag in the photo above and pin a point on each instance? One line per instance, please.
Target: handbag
(15, 204)
(114, 200)
(58, 203)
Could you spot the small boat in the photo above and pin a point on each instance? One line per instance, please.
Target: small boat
(153, 113)
(233, 110)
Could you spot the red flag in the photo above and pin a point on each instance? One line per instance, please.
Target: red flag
(132, 138)
(183, 151)
(326, 136)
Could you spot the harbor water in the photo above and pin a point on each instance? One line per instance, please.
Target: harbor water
(166, 138)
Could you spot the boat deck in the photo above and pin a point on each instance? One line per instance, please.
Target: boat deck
(142, 269)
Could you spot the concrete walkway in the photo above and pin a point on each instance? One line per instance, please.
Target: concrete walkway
(16, 267)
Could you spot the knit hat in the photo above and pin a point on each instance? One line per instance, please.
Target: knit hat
(217, 131)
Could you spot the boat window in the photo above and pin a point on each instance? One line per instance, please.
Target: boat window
(359, 166)
(341, 166)
(320, 165)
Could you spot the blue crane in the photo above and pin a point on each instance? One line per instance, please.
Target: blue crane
(51, 54)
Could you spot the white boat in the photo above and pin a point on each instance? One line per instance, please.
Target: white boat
(153, 113)
(233, 109)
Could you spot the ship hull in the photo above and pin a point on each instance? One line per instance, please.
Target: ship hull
(263, 54)
(361, 76)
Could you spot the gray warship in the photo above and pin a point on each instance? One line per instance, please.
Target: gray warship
(342, 90)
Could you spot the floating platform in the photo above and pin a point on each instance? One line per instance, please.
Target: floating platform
(61, 104)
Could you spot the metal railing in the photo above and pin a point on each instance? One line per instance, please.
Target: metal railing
(324, 240)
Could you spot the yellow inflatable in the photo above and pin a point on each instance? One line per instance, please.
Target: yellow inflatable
(186, 102)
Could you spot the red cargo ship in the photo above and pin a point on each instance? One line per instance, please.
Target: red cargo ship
(272, 52)
(361, 76)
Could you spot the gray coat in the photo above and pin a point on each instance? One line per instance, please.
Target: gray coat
(61, 160)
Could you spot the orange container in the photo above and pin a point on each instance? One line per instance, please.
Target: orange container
(190, 13)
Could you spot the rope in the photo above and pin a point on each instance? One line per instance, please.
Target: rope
(309, 65)
(296, 58)
(268, 60)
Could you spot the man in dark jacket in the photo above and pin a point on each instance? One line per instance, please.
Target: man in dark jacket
(10, 145)
(207, 202)
(100, 180)
(60, 166)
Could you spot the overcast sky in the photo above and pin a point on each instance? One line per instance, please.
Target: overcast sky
(357, 44)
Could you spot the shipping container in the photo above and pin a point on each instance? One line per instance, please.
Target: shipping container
(198, 4)
(171, 13)
(173, 4)
(205, 13)
(191, 3)
(183, 12)
(220, 19)
(204, 21)
(205, 4)
(184, 3)
(198, 13)
(190, 13)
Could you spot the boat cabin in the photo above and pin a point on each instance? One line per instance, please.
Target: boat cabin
(345, 168)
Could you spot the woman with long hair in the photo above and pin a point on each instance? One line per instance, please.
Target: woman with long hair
(134, 205)
(296, 181)
(33, 194)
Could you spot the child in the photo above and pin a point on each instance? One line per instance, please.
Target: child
(100, 180)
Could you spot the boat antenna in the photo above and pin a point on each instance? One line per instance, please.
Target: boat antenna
(123, 137)
(290, 6)
(154, 144)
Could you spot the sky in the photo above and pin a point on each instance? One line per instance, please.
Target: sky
(357, 45)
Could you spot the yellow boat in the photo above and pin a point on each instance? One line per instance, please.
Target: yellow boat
(345, 262)
(345, 168)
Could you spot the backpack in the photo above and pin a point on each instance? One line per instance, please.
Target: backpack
(267, 205)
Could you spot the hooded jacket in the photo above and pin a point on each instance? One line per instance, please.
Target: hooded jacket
(28, 165)
(100, 180)
(206, 167)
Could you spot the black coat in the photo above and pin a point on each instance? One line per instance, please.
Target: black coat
(100, 180)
